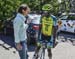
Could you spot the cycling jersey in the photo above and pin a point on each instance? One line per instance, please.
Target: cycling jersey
(47, 29)
(47, 24)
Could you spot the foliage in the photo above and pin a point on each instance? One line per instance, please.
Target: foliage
(8, 7)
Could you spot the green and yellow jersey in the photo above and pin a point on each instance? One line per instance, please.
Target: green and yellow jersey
(47, 24)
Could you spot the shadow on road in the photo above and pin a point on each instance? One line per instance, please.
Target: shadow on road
(7, 42)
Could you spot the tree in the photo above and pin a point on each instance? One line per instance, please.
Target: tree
(7, 7)
(65, 5)
(37, 5)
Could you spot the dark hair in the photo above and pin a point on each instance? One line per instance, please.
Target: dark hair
(22, 8)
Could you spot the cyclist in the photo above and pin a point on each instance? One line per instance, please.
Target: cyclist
(34, 27)
(47, 27)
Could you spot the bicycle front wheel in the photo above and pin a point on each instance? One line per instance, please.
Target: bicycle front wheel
(43, 54)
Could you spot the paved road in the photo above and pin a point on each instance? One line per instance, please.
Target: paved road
(62, 51)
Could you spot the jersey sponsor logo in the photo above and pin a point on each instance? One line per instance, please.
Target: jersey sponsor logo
(47, 23)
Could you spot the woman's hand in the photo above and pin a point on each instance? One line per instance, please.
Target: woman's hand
(19, 46)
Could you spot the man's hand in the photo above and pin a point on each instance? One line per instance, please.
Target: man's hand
(18, 46)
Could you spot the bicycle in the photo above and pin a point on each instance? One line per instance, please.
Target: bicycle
(41, 53)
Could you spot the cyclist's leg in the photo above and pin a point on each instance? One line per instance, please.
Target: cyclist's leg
(49, 46)
(49, 53)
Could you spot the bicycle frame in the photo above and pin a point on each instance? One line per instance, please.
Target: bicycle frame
(41, 53)
(42, 56)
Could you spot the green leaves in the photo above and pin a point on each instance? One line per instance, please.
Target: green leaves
(7, 7)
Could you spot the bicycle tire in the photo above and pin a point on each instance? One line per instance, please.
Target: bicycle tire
(43, 53)
(42, 56)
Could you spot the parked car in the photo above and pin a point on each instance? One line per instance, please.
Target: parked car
(66, 23)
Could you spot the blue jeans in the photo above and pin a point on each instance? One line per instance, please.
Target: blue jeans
(23, 52)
